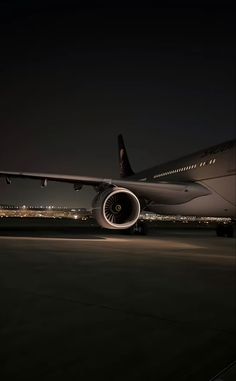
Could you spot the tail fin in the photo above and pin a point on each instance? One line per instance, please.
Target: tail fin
(125, 168)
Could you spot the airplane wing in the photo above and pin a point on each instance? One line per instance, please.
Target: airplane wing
(163, 192)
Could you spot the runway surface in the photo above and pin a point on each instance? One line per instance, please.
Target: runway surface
(108, 307)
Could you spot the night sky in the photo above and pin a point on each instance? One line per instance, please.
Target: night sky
(73, 77)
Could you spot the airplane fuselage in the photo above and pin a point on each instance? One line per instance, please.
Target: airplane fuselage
(213, 168)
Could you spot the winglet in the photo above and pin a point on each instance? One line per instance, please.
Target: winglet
(125, 168)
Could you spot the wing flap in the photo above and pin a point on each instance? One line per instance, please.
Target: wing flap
(161, 192)
(84, 180)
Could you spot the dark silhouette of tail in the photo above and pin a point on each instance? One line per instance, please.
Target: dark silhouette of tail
(125, 168)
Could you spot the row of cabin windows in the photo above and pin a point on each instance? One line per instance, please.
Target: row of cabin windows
(193, 166)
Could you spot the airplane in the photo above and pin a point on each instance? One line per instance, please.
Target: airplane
(200, 184)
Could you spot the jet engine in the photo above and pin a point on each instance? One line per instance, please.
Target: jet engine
(116, 208)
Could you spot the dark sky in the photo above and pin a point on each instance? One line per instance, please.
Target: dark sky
(73, 77)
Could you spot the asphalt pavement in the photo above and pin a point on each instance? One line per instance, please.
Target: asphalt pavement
(96, 306)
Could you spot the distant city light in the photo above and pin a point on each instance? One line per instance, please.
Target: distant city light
(83, 214)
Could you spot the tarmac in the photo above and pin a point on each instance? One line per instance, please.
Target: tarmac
(87, 305)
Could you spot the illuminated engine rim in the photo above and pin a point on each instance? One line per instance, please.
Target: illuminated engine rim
(135, 210)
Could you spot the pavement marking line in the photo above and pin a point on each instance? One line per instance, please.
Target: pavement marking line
(218, 376)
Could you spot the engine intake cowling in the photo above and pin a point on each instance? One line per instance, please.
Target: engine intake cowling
(116, 208)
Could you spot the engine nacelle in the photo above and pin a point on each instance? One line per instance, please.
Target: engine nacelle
(116, 208)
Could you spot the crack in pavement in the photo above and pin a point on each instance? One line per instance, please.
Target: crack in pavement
(189, 324)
